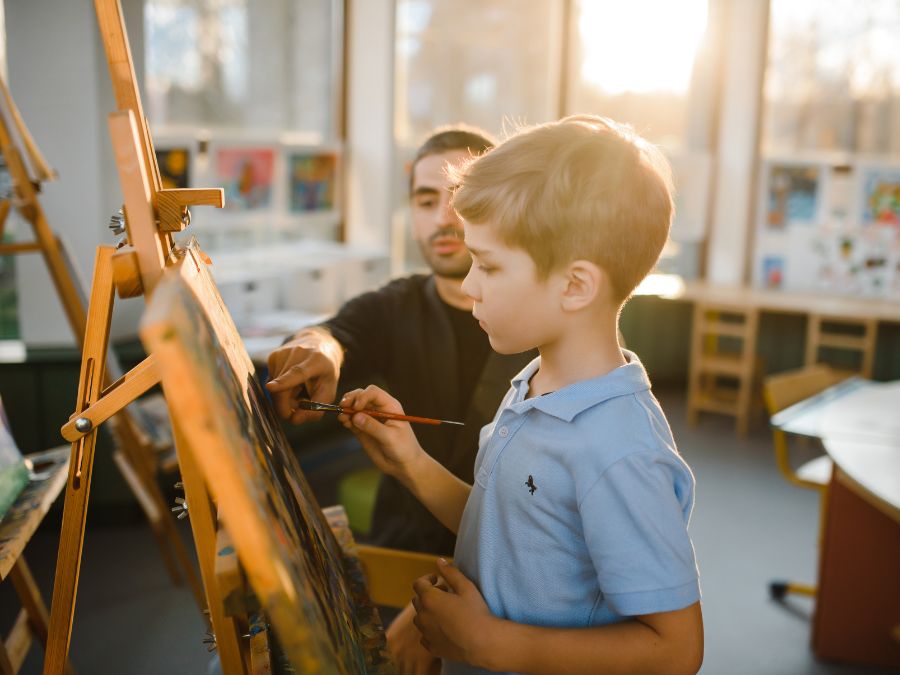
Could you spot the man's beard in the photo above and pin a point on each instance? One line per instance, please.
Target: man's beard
(454, 266)
(450, 267)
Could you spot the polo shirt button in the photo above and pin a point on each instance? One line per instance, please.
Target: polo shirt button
(504, 432)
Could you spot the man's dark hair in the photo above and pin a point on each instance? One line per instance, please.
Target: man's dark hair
(446, 139)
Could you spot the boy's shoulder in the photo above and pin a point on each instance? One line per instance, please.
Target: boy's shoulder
(601, 421)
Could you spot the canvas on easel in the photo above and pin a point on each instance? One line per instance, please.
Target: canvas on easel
(292, 560)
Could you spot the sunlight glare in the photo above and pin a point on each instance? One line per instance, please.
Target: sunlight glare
(640, 46)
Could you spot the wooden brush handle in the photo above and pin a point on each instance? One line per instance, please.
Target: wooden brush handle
(392, 416)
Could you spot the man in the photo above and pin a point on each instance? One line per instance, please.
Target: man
(417, 336)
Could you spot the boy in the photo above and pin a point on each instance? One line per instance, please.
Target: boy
(573, 554)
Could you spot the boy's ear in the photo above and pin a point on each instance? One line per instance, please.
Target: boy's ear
(584, 282)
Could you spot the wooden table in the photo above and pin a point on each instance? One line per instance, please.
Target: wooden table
(672, 287)
(857, 616)
(49, 473)
(731, 313)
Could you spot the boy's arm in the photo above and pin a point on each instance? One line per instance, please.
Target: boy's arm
(393, 448)
(666, 642)
(459, 626)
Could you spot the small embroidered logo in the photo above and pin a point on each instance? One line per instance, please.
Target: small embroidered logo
(530, 484)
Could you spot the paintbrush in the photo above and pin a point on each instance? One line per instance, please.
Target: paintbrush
(306, 404)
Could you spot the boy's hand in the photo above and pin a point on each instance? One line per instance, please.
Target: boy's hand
(456, 624)
(405, 645)
(391, 444)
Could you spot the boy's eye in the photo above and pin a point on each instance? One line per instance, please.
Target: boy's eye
(487, 269)
(426, 202)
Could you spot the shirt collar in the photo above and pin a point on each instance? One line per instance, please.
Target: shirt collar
(573, 399)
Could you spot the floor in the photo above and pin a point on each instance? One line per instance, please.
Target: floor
(749, 526)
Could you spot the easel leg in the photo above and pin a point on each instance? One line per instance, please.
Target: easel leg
(138, 455)
(6, 666)
(151, 511)
(30, 597)
(68, 561)
(203, 526)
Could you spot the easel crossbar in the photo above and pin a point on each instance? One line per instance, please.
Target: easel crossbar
(113, 399)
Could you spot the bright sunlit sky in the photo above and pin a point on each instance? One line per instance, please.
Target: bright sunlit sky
(642, 45)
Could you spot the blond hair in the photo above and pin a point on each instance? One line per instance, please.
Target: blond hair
(582, 188)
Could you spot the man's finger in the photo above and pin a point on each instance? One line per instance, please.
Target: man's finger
(302, 416)
(284, 404)
(293, 377)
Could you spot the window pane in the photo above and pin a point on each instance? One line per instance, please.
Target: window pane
(236, 64)
(633, 61)
(833, 76)
(476, 62)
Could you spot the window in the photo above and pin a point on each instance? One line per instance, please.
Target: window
(634, 61)
(482, 63)
(241, 65)
(832, 77)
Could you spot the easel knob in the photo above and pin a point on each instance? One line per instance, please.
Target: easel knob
(83, 425)
(181, 508)
(117, 222)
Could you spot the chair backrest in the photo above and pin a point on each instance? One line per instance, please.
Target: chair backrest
(785, 389)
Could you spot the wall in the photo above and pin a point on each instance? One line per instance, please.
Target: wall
(60, 81)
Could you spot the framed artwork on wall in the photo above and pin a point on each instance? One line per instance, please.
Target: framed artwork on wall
(246, 173)
(174, 166)
(878, 194)
(312, 181)
(792, 193)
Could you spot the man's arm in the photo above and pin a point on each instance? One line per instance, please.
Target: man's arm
(311, 363)
(393, 448)
(459, 626)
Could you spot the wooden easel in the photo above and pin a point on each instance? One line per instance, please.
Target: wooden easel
(135, 454)
(152, 215)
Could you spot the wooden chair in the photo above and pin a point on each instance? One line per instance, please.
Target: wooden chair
(714, 360)
(844, 335)
(780, 391)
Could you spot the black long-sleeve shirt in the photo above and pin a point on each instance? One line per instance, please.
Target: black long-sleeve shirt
(426, 354)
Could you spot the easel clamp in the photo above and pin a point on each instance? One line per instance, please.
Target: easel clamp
(116, 396)
(172, 205)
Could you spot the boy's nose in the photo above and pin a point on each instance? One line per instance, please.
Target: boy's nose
(469, 287)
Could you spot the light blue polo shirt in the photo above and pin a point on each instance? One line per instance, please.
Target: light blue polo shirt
(579, 511)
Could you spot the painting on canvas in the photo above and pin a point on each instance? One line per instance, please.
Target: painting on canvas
(291, 557)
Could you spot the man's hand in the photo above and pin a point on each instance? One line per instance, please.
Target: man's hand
(306, 367)
(405, 645)
(391, 445)
(456, 624)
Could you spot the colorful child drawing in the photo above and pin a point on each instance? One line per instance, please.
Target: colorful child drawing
(246, 176)
(174, 165)
(773, 271)
(882, 198)
(312, 179)
(792, 195)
